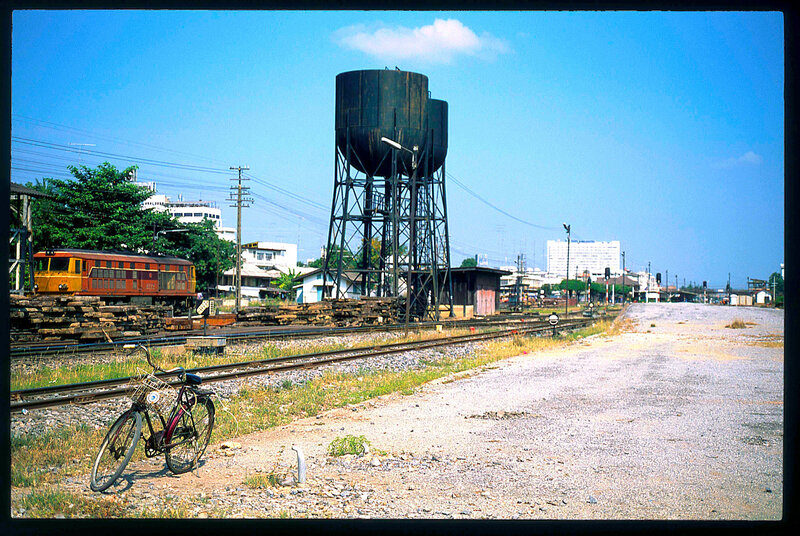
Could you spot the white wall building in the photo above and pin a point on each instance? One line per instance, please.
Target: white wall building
(187, 211)
(583, 255)
(310, 289)
(270, 255)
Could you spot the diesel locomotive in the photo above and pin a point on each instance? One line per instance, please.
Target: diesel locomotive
(116, 277)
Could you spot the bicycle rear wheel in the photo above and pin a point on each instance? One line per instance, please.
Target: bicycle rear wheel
(116, 450)
(193, 432)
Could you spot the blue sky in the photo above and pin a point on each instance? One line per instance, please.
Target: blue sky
(661, 130)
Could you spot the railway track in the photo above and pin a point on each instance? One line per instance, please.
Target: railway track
(243, 334)
(89, 392)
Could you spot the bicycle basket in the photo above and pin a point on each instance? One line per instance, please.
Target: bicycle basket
(157, 394)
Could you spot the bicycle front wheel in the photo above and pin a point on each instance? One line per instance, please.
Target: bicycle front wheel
(190, 435)
(116, 450)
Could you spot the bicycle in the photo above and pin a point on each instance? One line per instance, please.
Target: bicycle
(186, 422)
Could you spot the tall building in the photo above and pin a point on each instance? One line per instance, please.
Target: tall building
(187, 211)
(583, 255)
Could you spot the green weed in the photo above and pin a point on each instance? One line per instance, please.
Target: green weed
(348, 444)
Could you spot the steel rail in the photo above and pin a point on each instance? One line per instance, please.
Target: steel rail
(72, 348)
(257, 367)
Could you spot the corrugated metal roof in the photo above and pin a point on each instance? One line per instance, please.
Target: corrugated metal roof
(480, 269)
(24, 190)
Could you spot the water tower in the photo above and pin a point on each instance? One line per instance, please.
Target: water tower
(388, 232)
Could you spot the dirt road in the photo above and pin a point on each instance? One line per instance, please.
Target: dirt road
(678, 418)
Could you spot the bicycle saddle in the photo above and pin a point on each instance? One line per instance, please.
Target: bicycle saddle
(193, 379)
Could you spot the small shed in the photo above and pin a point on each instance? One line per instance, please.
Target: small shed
(741, 297)
(477, 286)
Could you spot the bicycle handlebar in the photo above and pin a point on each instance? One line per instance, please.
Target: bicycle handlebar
(146, 354)
(179, 370)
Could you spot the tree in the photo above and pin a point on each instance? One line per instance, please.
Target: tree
(287, 281)
(99, 209)
(469, 262)
(210, 254)
(776, 278)
(575, 285)
(348, 260)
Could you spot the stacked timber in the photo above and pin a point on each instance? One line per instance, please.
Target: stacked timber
(341, 312)
(80, 318)
(251, 316)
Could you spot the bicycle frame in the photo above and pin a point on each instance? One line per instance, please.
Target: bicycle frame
(182, 405)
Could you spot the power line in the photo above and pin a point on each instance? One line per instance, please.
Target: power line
(66, 148)
(483, 200)
(66, 128)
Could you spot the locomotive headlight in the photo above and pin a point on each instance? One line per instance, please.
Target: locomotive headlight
(36, 286)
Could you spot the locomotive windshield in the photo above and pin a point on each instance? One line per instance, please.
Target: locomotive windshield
(41, 265)
(59, 264)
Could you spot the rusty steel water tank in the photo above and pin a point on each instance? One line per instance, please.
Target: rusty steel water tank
(371, 104)
(437, 123)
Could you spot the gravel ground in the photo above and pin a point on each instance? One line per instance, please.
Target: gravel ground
(678, 417)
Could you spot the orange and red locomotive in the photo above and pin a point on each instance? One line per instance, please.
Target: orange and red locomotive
(115, 276)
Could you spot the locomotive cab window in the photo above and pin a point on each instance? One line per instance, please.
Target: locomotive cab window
(41, 265)
(76, 268)
(59, 264)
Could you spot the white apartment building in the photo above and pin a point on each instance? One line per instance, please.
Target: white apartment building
(583, 255)
(188, 211)
(268, 255)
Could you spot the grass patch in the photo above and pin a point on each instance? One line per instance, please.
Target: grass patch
(621, 325)
(48, 503)
(262, 481)
(738, 324)
(36, 460)
(348, 444)
(767, 344)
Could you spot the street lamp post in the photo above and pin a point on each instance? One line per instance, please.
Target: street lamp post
(412, 232)
(566, 300)
(622, 290)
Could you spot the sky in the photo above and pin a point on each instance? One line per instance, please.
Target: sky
(663, 130)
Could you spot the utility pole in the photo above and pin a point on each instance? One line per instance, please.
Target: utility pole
(774, 291)
(729, 288)
(566, 290)
(647, 288)
(240, 191)
(623, 278)
(518, 289)
(666, 278)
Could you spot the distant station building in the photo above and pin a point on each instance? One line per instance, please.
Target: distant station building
(583, 255)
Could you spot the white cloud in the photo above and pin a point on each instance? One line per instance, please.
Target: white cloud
(748, 158)
(439, 42)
